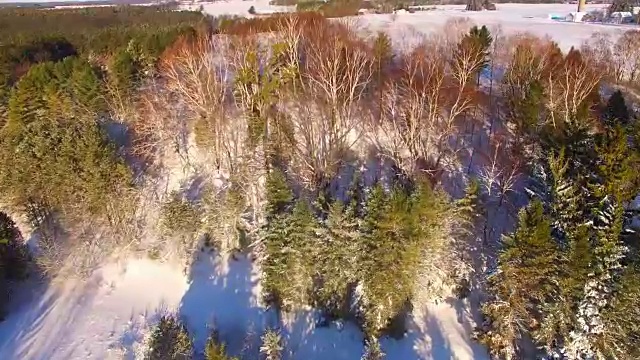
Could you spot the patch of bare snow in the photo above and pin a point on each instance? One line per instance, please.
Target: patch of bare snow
(109, 316)
(99, 318)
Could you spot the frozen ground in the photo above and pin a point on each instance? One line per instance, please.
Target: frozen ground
(108, 316)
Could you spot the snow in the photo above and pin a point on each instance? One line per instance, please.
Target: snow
(95, 318)
(109, 315)
(510, 18)
(237, 7)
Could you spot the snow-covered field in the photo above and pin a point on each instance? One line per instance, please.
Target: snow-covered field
(510, 18)
(108, 315)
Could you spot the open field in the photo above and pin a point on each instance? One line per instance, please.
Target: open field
(510, 18)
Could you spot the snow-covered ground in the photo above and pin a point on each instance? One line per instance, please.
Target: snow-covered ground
(510, 18)
(108, 316)
(237, 7)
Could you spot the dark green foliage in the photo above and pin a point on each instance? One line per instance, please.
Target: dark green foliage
(529, 265)
(279, 195)
(32, 36)
(170, 341)
(288, 267)
(319, 259)
(52, 153)
(398, 231)
(616, 111)
(525, 112)
(616, 166)
(621, 317)
(179, 216)
(123, 72)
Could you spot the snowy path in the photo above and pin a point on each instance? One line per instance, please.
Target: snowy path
(108, 316)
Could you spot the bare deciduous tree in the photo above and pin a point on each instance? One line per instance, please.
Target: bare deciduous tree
(337, 69)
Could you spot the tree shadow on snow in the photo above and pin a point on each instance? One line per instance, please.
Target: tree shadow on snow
(306, 340)
(43, 317)
(221, 297)
(436, 340)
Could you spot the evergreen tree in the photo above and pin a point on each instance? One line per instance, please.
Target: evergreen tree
(616, 110)
(372, 350)
(216, 350)
(271, 347)
(616, 164)
(530, 266)
(620, 319)
(279, 195)
(337, 259)
(123, 73)
(53, 155)
(288, 238)
(606, 268)
(170, 341)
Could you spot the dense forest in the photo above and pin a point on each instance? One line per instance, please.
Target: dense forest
(362, 176)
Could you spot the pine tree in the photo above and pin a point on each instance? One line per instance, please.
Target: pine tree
(279, 195)
(606, 268)
(616, 111)
(216, 350)
(529, 269)
(372, 350)
(621, 336)
(170, 341)
(565, 202)
(288, 238)
(337, 259)
(469, 206)
(271, 347)
(616, 164)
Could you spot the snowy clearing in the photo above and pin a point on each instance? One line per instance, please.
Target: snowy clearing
(109, 315)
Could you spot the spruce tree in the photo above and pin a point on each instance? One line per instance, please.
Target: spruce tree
(616, 110)
(271, 347)
(529, 269)
(337, 259)
(289, 237)
(372, 350)
(216, 350)
(621, 338)
(170, 341)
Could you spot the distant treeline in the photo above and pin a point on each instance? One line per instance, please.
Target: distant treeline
(401, 3)
(31, 36)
